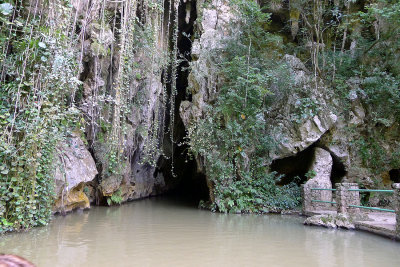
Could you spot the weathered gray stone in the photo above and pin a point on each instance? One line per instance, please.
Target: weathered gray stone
(396, 194)
(344, 221)
(321, 220)
(306, 199)
(331, 221)
(74, 166)
(215, 26)
(322, 167)
(344, 198)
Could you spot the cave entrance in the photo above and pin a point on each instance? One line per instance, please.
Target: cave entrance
(178, 168)
(338, 170)
(294, 166)
(395, 175)
(299, 164)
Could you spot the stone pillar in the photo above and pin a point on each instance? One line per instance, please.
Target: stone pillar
(307, 204)
(396, 196)
(322, 167)
(340, 198)
(344, 198)
(352, 197)
(306, 199)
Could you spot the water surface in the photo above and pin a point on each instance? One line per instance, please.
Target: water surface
(168, 232)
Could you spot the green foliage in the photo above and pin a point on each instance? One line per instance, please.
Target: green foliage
(233, 137)
(383, 97)
(372, 154)
(395, 159)
(38, 82)
(256, 196)
(310, 174)
(113, 163)
(306, 108)
(116, 198)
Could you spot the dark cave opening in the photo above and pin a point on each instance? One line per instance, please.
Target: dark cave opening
(395, 175)
(299, 164)
(178, 167)
(338, 170)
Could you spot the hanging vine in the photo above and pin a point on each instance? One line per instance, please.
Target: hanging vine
(36, 112)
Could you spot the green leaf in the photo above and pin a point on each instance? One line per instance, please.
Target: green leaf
(42, 45)
(6, 8)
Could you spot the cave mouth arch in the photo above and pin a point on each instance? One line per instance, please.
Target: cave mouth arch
(299, 164)
(293, 166)
(178, 167)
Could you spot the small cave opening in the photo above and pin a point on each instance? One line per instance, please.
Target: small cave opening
(179, 169)
(299, 164)
(294, 166)
(395, 175)
(338, 170)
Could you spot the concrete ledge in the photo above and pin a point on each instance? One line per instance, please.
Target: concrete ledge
(377, 229)
(319, 212)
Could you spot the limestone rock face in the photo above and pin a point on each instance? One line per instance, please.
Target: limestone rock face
(297, 133)
(74, 167)
(322, 167)
(101, 66)
(215, 26)
(311, 113)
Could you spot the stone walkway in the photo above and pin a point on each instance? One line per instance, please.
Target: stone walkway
(343, 209)
(381, 223)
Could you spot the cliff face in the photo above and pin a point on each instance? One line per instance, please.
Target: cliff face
(314, 114)
(124, 50)
(126, 83)
(90, 97)
(133, 57)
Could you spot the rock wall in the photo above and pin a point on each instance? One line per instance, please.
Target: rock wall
(335, 138)
(125, 54)
(321, 122)
(74, 168)
(321, 168)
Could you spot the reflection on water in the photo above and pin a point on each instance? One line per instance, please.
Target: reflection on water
(165, 232)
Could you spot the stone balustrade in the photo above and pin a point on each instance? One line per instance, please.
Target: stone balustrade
(396, 194)
(344, 198)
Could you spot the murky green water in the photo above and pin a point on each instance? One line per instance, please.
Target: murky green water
(166, 232)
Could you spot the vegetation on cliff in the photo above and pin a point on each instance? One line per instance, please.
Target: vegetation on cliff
(38, 85)
(234, 137)
(108, 71)
(73, 67)
(350, 46)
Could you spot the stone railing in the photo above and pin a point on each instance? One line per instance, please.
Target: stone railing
(346, 199)
(396, 194)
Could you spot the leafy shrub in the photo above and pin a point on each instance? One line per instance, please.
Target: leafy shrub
(38, 81)
(116, 198)
(233, 136)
